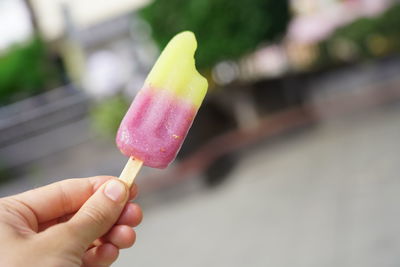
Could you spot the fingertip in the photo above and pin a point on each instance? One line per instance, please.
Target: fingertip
(121, 236)
(132, 215)
(133, 192)
(137, 210)
(103, 255)
(116, 190)
(108, 252)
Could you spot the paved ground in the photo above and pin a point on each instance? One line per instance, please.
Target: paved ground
(326, 197)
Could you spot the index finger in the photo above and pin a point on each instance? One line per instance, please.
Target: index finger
(64, 197)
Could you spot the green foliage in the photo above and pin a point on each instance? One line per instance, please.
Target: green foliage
(390, 18)
(107, 115)
(25, 71)
(225, 29)
(365, 38)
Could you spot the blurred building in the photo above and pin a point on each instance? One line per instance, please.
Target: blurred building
(15, 13)
(85, 13)
(104, 48)
(316, 19)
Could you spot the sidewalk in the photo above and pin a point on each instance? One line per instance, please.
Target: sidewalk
(326, 197)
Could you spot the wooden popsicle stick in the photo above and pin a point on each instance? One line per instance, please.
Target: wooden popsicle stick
(130, 171)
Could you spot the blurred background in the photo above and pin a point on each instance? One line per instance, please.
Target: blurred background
(293, 159)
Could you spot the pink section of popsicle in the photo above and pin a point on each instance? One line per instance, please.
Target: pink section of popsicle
(155, 127)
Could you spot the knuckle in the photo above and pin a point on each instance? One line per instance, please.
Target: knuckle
(96, 215)
(65, 198)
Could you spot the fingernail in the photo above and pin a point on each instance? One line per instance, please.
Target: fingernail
(115, 191)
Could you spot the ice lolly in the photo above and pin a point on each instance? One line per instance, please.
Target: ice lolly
(161, 114)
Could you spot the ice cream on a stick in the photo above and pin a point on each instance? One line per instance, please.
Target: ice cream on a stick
(160, 116)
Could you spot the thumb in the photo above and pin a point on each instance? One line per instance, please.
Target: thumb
(97, 215)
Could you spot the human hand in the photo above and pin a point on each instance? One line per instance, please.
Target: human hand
(76, 222)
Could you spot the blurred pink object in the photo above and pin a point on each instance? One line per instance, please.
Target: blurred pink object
(315, 27)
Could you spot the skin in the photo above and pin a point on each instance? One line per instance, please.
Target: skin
(76, 222)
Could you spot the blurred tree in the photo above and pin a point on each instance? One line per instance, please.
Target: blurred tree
(33, 17)
(25, 71)
(226, 29)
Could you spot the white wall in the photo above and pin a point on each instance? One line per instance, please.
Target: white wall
(84, 12)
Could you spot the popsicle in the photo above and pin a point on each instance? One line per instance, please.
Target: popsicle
(160, 116)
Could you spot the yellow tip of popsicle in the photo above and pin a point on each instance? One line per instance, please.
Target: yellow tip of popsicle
(175, 70)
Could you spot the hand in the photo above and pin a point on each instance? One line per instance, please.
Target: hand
(76, 222)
